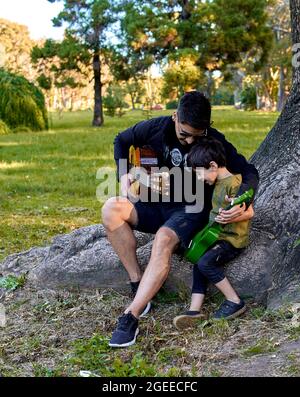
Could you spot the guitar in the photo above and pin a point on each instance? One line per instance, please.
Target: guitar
(210, 234)
(141, 161)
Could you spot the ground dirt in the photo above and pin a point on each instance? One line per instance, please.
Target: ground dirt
(62, 333)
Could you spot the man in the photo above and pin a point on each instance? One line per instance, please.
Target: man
(171, 138)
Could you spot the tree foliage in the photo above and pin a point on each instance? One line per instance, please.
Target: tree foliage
(21, 103)
(221, 31)
(4, 129)
(16, 45)
(181, 75)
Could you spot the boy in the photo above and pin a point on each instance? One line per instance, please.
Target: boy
(209, 154)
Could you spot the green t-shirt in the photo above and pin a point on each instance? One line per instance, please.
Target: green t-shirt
(235, 233)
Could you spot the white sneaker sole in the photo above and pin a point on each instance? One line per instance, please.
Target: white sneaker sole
(132, 342)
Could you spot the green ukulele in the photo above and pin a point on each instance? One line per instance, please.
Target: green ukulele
(210, 234)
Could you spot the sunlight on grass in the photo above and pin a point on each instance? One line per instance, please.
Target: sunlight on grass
(13, 143)
(15, 165)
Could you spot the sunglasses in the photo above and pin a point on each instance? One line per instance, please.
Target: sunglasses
(185, 134)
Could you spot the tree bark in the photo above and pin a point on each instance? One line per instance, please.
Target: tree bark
(98, 109)
(277, 199)
(281, 90)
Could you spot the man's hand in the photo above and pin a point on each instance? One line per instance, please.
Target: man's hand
(237, 213)
(126, 181)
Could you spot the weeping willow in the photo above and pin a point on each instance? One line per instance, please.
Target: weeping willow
(21, 103)
(4, 129)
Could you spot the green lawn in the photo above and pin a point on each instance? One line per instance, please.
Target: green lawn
(48, 179)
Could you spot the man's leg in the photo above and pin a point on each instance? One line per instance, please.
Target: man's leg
(118, 213)
(157, 270)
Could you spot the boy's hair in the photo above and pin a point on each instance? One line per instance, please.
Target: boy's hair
(208, 149)
(194, 109)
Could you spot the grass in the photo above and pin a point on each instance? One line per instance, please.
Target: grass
(262, 346)
(48, 179)
(12, 282)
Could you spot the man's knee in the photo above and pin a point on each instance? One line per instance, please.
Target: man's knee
(166, 239)
(117, 210)
(114, 210)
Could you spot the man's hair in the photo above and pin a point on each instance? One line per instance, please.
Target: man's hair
(208, 149)
(194, 109)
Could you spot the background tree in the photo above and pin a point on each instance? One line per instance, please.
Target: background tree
(272, 81)
(181, 75)
(21, 103)
(16, 44)
(114, 101)
(281, 26)
(88, 22)
(221, 32)
(128, 68)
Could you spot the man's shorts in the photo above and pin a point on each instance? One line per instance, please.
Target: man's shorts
(152, 216)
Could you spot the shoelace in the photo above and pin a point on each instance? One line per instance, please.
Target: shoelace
(225, 305)
(124, 321)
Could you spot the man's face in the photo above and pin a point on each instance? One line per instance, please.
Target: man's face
(186, 134)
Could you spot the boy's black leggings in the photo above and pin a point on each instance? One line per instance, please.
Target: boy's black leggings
(210, 265)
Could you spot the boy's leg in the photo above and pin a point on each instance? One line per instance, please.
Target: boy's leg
(190, 317)
(196, 302)
(227, 290)
(211, 266)
(199, 289)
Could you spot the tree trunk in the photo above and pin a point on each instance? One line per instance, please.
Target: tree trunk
(281, 90)
(132, 101)
(186, 10)
(98, 109)
(238, 79)
(276, 226)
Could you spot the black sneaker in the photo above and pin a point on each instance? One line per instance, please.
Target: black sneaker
(126, 332)
(229, 310)
(134, 288)
(188, 319)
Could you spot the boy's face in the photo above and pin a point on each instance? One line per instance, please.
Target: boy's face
(208, 175)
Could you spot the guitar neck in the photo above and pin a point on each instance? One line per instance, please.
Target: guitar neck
(236, 201)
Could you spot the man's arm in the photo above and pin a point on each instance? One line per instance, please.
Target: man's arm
(225, 217)
(237, 164)
(136, 135)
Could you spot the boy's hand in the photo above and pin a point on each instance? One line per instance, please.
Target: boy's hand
(237, 213)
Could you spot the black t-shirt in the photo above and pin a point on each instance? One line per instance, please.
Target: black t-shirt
(177, 157)
(177, 154)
